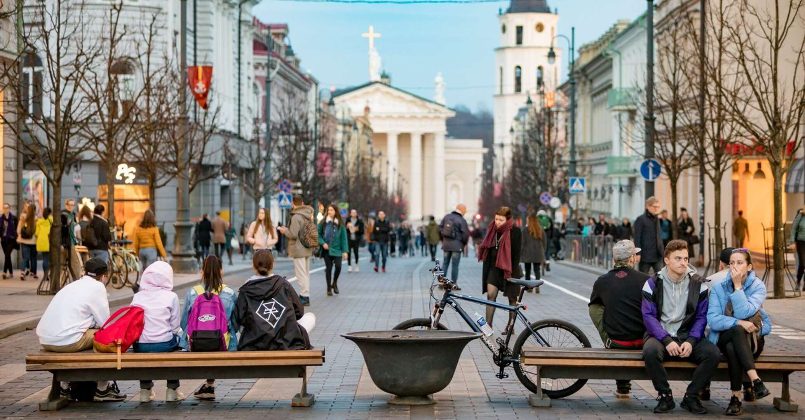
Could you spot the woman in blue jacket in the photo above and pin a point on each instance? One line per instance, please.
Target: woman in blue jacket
(333, 242)
(738, 324)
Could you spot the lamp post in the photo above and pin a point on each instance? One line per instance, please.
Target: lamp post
(572, 80)
(649, 119)
(240, 48)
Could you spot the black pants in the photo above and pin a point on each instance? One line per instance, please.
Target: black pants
(219, 251)
(537, 271)
(800, 261)
(705, 354)
(432, 249)
(8, 247)
(353, 250)
(643, 267)
(735, 345)
(331, 262)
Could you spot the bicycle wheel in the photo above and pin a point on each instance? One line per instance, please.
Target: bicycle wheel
(119, 271)
(417, 324)
(556, 333)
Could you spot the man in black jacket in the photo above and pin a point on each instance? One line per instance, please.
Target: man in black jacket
(647, 238)
(455, 234)
(355, 232)
(98, 245)
(381, 235)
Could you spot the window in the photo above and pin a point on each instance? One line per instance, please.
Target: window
(500, 80)
(123, 81)
(518, 78)
(519, 35)
(540, 77)
(32, 86)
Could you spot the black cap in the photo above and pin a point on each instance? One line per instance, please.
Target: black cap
(95, 267)
(725, 255)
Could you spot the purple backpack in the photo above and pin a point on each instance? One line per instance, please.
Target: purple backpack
(207, 323)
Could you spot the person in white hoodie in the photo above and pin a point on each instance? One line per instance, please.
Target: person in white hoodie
(162, 319)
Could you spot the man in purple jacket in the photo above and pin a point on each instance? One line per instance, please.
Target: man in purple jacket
(675, 314)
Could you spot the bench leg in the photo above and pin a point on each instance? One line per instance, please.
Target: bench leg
(784, 403)
(539, 399)
(55, 400)
(303, 399)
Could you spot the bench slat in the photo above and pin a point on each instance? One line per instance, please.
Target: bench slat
(639, 364)
(173, 364)
(84, 357)
(618, 356)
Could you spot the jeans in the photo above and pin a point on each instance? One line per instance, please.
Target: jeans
(432, 249)
(29, 258)
(8, 248)
(643, 267)
(537, 271)
(164, 347)
(455, 258)
(353, 250)
(45, 262)
(147, 257)
(205, 251)
(734, 344)
(705, 354)
(219, 250)
(382, 252)
(372, 249)
(100, 253)
(331, 262)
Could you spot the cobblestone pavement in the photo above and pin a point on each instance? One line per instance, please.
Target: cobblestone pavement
(343, 389)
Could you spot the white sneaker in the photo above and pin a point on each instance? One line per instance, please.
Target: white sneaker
(146, 395)
(349, 270)
(172, 395)
(357, 268)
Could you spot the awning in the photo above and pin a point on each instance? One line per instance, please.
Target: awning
(795, 181)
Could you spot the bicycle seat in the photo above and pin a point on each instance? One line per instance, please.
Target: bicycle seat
(528, 284)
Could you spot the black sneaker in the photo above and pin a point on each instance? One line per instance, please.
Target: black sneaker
(704, 395)
(665, 403)
(749, 393)
(760, 389)
(734, 408)
(305, 300)
(693, 404)
(206, 392)
(111, 393)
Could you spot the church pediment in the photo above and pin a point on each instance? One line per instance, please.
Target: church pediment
(384, 100)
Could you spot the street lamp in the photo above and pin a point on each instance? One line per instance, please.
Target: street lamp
(572, 80)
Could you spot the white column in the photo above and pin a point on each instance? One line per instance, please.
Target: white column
(391, 155)
(438, 177)
(415, 190)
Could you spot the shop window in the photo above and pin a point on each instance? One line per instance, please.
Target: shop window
(131, 202)
(518, 78)
(32, 86)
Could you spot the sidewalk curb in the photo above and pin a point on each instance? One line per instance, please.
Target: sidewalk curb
(593, 270)
(30, 323)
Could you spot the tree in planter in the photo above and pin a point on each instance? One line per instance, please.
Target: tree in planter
(50, 113)
(769, 67)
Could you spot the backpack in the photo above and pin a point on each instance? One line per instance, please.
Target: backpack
(207, 323)
(27, 231)
(309, 234)
(120, 331)
(88, 238)
(448, 230)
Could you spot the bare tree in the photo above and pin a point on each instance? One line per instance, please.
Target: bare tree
(770, 104)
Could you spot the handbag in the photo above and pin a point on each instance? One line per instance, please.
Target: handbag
(234, 243)
(694, 239)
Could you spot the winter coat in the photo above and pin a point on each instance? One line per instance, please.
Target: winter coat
(358, 224)
(228, 298)
(43, 234)
(533, 249)
(148, 238)
(9, 226)
(218, 230)
(647, 237)
(382, 231)
(204, 232)
(337, 246)
(432, 233)
(461, 232)
(266, 314)
(258, 238)
(103, 235)
(745, 303)
(299, 216)
(159, 302)
(695, 320)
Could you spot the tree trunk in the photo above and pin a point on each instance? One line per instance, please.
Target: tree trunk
(55, 238)
(674, 200)
(110, 193)
(152, 192)
(717, 209)
(779, 239)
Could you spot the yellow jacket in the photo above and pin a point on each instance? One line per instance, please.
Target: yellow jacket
(43, 234)
(148, 238)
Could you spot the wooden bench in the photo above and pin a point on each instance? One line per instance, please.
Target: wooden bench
(90, 366)
(593, 363)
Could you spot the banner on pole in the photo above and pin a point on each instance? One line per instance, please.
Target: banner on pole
(200, 80)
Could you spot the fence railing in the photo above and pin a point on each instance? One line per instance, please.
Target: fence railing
(590, 250)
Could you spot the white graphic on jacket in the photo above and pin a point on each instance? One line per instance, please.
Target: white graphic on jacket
(270, 311)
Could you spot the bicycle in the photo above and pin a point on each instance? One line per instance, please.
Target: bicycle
(122, 263)
(545, 333)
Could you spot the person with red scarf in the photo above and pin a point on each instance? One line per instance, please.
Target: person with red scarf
(500, 253)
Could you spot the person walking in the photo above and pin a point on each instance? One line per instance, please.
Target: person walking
(333, 241)
(455, 234)
(84, 217)
(500, 253)
(244, 247)
(686, 231)
(69, 238)
(219, 227)
(533, 248)
(432, 237)
(229, 236)
(99, 229)
(380, 235)
(301, 215)
(356, 229)
(26, 237)
(204, 234)
(666, 227)
(147, 241)
(370, 243)
(647, 238)
(740, 230)
(43, 226)
(797, 238)
(261, 233)
(8, 224)
(624, 230)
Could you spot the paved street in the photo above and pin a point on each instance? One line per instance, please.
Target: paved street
(343, 389)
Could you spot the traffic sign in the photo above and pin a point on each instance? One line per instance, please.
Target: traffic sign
(343, 208)
(650, 169)
(285, 186)
(555, 203)
(545, 198)
(284, 200)
(578, 185)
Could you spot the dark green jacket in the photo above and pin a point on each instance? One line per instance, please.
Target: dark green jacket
(338, 245)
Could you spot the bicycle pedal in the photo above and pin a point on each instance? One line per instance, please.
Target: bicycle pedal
(501, 375)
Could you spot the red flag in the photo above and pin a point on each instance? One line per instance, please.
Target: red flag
(200, 79)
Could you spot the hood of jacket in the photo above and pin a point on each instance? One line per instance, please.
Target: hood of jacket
(158, 275)
(304, 210)
(259, 286)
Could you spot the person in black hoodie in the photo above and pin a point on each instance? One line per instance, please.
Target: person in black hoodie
(269, 313)
(381, 235)
(647, 237)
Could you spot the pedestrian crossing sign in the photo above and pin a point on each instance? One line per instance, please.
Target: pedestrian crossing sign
(578, 185)
(284, 200)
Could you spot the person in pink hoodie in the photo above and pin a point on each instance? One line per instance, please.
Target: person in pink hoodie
(162, 320)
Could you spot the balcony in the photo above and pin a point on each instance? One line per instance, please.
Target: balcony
(623, 166)
(622, 99)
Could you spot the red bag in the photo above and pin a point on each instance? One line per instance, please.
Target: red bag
(120, 331)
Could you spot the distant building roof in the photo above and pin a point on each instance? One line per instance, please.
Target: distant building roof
(529, 6)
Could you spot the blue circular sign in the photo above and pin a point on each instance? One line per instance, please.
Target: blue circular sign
(545, 198)
(650, 169)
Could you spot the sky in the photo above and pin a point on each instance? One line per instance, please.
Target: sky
(420, 40)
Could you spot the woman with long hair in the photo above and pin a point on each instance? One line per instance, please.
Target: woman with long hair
(534, 244)
(212, 281)
(26, 237)
(147, 242)
(500, 253)
(261, 233)
(84, 217)
(333, 241)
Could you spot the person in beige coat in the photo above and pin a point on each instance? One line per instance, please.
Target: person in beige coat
(219, 226)
(261, 233)
(300, 214)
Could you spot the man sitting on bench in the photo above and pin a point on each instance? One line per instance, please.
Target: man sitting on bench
(74, 315)
(615, 305)
(675, 313)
